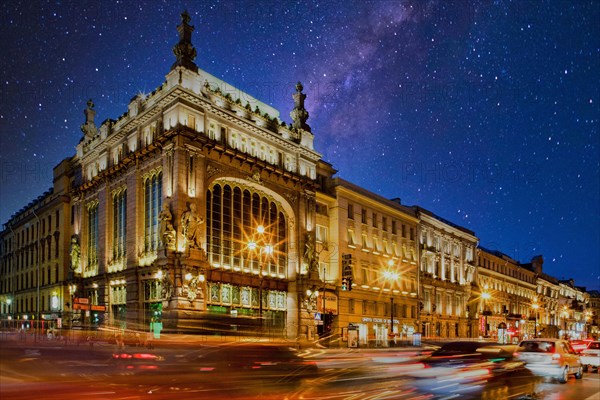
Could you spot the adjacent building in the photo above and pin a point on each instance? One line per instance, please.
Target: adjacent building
(447, 272)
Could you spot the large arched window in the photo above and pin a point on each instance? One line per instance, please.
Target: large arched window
(233, 215)
(152, 206)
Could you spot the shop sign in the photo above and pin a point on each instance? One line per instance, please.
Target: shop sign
(379, 320)
(330, 303)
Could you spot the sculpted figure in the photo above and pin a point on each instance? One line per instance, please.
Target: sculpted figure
(190, 227)
(75, 253)
(309, 253)
(167, 232)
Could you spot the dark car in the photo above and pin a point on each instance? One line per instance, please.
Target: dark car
(250, 361)
(475, 370)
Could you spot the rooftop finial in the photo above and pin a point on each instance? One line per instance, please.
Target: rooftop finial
(185, 50)
(299, 114)
(185, 17)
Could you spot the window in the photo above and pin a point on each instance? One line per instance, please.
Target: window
(364, 243)
(365, 276)
(386, 247)
(412, 233)
(92, 242)
(363, 216)
(374, 220)
(321, 209)
(233, 214)
(403, 230)
(376, 249)
(191, 122)
(152, 206)
(119, 224)
(350, 211)
(394, 228)
(321, 234)
(350, 238)
(384, 223)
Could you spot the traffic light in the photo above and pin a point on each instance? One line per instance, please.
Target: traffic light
(344, 284)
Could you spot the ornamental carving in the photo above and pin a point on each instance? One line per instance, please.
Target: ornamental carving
(212, 171)
(292, 197)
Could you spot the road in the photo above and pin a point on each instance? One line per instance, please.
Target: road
(587, 388)
(61, 372)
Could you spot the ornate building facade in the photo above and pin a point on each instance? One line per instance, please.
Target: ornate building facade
(447, 271)
(509, 301)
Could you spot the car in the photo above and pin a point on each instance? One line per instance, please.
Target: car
(580, 345)
(590, 357)
(136, 362)
(251, 360)
(474, 370)
(550, 358)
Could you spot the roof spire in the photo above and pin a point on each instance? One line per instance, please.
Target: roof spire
(184, 50)
(299, 114)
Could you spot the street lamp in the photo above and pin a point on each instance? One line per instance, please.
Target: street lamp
(391, 276)
(485, 296)
(535, 307)
(264, 249)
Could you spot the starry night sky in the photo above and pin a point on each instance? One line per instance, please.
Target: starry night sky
(484, 112)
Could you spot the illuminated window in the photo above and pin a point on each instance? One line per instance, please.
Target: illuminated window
(92, 231)
(152, 206)
(321, 234)
(233, 214)
(119, 224)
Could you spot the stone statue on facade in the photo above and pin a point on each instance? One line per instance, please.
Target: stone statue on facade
(167, 231)
(89, 128)
(75, 253)
(166, 286)
(310, 254)
(190, 227)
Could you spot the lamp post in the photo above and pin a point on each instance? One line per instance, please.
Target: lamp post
(485, 296)
(535, 307)
(263, 248)
(391, 276)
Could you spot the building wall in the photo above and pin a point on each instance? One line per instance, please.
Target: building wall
(373, 234)
(513, 294)
(447, 271)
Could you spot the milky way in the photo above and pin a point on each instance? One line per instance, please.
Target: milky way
(486, 112)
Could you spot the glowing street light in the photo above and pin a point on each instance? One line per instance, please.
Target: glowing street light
(392, 276)
(264, 249)
(535, 307)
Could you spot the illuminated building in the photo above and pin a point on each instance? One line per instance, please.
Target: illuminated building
(512, 290)
(371, 257)
(35, 259)
(447, 273)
